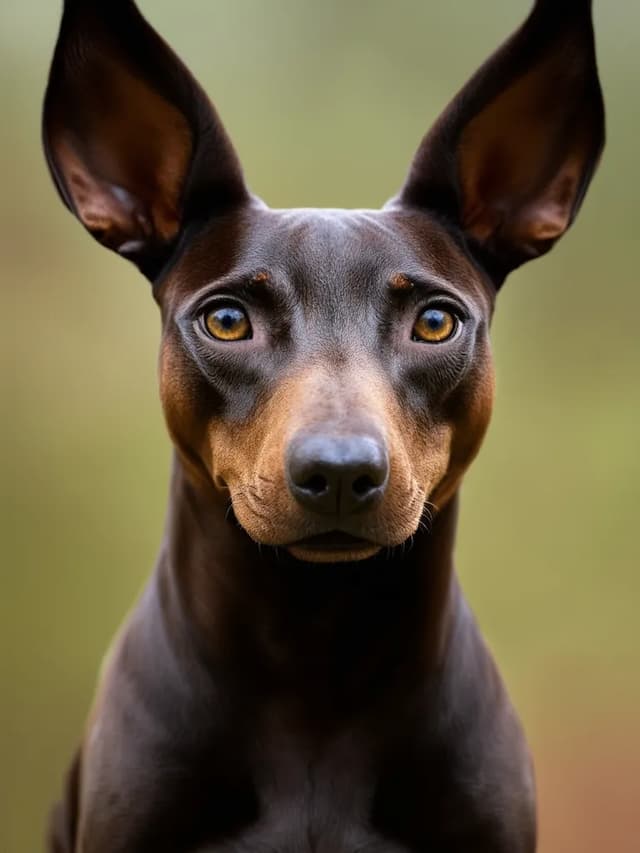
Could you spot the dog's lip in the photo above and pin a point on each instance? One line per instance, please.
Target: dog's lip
(333, 540)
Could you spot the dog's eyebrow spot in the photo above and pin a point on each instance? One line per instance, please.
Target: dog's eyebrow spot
(261, 277)
(399, 281)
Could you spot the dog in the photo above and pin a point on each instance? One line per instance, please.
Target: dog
(302, 672)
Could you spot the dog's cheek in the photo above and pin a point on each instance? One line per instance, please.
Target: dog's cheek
(468, 412)
(256, 486)
(434, 442)
(419, 452)
(430, 449)
(247, 458)
(188, 405)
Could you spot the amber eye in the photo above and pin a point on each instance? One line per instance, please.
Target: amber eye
(434, 326)
(227, 323)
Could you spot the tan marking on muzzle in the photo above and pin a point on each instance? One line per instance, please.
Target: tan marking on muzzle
(249, 459)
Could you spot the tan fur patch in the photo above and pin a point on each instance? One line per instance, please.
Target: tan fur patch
(249, 459)
(399, 281)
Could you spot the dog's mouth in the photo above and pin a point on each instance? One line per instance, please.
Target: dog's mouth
(334, 546)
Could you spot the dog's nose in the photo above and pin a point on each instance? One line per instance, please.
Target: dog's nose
(337, 474)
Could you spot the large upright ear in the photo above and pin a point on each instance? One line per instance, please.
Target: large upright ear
(135, 147)
(510, 159)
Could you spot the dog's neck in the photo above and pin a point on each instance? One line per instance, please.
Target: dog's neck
(286, 622)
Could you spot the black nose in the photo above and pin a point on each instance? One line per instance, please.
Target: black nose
(338, 474)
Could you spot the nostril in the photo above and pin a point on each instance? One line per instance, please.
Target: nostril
(315, 485)
(363, 485)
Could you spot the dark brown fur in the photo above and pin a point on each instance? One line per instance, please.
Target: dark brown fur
(268, 692)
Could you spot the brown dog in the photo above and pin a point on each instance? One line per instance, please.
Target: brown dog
(294, 678)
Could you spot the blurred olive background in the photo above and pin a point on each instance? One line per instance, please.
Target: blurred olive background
(326, 103)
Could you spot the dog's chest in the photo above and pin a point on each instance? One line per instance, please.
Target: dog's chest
(303, 824)
(311, 800)
(306, 822)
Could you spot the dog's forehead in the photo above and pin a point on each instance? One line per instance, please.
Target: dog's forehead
(330, 252)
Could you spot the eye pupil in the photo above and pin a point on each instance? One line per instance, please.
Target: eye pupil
(228, 318)
(434, 318)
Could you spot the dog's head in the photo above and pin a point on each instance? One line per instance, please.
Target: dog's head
(330, 370)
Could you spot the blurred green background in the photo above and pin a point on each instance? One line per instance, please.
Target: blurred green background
(326, 103)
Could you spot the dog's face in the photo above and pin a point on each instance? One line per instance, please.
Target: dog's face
(330, 371)
(346, 345)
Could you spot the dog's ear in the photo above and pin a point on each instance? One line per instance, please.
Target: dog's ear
(510, 159)
(136, 149)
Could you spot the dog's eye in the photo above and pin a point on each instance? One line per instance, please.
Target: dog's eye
(227, 323)
(434, 326)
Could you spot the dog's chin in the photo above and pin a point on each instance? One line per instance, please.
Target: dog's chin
(335, 547)
(343, 555)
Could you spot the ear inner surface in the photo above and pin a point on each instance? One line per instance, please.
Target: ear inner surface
(124, 154)
(132, 141)
(510, 159)
(518, 185)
